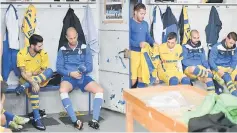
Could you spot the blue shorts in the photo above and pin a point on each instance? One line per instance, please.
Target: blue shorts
(75, 84)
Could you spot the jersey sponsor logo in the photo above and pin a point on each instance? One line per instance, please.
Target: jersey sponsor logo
(169, 61)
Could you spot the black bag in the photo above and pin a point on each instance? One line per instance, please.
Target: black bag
(55, 80)
(215, 1)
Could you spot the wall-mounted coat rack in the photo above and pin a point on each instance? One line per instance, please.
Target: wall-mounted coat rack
(70, 4)
(198, 5)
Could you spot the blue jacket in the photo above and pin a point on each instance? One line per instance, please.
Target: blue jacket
(170, 24)
(138, 32)
(193, 56)
(68, 60)
(222, 56)
(213, 28)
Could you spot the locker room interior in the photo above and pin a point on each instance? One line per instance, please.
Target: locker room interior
(111, 70)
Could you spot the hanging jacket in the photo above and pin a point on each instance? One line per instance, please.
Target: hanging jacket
(9, 59)
(90, 31)
(157, 25)
(194, 55)
(184, 26)
(220, 55)
(213, 28)
(71, 20)
(12, 25)
(29, 25)
(170, 24)
(10, 44)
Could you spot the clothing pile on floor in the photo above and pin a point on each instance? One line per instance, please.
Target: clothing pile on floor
(218, 113)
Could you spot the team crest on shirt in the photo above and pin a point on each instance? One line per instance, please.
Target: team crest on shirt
(79, 51)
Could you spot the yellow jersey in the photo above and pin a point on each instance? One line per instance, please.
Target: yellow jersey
(29, 23)
(170, 57)
(32, 63)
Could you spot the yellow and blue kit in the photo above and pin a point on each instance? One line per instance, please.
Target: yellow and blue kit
(149, 63)
(29, 23)
(36, 63)
(168, 69)
(184, 26)
(225, 59)
(194, 56)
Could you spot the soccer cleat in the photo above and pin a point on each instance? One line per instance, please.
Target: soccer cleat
(15, 126)
(42, 114)
(94, 124)
(78, 124)
(19, 90)
(38, 124)
(21, 120)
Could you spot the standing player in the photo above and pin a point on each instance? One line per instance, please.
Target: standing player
(139, 35)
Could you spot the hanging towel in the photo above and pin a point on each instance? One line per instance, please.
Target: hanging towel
(90, 32)
(157, 25)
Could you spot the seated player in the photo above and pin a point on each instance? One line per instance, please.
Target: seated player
(170, 67)
(33, 62)
(194, 61)
(8, 119)
(3, 123)
(74, 62)
(223, 61)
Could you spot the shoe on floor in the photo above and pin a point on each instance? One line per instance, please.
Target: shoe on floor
(19, 89)
(94, 124)
(38, 124)
(42, 114)
(78, 124)
(21, 120)
(15, 126)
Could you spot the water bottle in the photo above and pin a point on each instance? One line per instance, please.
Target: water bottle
(81, 70)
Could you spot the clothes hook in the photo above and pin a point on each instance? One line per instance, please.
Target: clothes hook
(198, 6)
(227, 6)
(69, 5)
(50, 5)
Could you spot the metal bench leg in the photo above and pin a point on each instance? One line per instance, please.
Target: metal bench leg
(89, 104)
(27, 107)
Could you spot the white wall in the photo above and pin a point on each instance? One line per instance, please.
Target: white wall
(113, 75)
